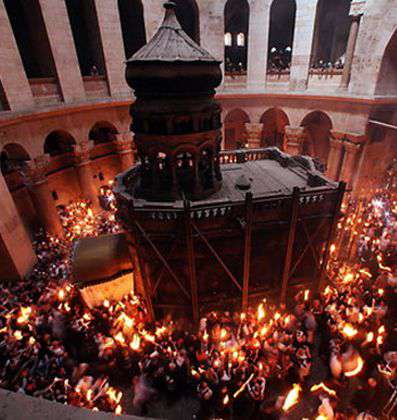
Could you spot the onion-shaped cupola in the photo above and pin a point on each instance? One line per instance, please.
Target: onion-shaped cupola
(176, 120)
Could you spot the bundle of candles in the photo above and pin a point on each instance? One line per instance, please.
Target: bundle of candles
(330, 355)
(79, 220)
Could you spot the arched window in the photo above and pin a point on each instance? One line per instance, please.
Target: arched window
(236, 28)
(387, 78)
(132, 25)
(87, 37)
(240, 40)
(281, 34)
(331, 34)
(103, 132)
(13, 157)
(318, 127)
(59, 142)
(228, 39)
(274, 121)
(235, 132)
(31, 37)
(187, 13)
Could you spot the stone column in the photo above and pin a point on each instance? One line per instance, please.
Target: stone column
(351, 46)
(349, 162)
(294, 138)
(112, 45)
(13, 78)
(124, 150)
(254, 134)
(154, 12)
(63, 50)
(84, 173)
(37, 183)
(16, 253)
(212, 28)
(335, 156)
(258, 44)
(303, 36)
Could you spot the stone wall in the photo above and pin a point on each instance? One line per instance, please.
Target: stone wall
(19, 406)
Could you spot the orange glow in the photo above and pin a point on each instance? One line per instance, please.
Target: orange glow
(357, 370)
(18, 335)
(223, 334)
(323, 387)
(119, 410)
(226, 400)
(349, 331)
(120, 338)
(306, 295)
(370, 337)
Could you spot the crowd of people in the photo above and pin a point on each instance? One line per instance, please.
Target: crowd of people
(327, 356)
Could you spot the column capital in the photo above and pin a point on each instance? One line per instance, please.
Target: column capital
(123, 145)
(82, 152)
(352, 148)
(297, 133)
(335, 143)
(254, 134)
(35, 170)
(254, 127)
(294, 138)
(348, 137)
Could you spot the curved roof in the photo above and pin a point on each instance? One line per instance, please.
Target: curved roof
(171, 43)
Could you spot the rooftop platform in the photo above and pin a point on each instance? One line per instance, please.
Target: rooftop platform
(266, 173)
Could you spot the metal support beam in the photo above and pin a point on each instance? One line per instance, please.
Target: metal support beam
(162, 259)
(332, 229)
(141, 275)
(307, 246)
(163, 269)
(191, 261)
(217, 257)
(290, 244)
(249, 213)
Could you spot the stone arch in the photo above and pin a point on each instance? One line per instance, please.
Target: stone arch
(188, 15)
(281, 34)
(318, 127)
(235, 131)
(13, 157)
(236, 16)
(274, 121)
(59, 142)
(378, 19)
(103, 132)
(387, 77)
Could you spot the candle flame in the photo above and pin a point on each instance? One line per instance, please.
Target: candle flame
(349, 331)
(261, 312)
(226, 400)
(136, 342)
(292, 397)
(323, 387)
